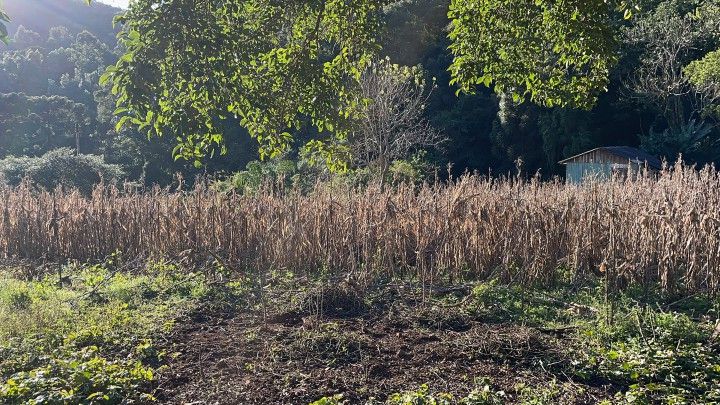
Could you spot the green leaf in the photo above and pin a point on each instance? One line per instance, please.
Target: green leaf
(121, 122)
(105, 77)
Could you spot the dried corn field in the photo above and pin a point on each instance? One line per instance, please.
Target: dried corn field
(648, 231)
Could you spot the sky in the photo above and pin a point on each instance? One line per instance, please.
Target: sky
(116, 3)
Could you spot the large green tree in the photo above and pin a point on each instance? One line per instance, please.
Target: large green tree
(33, 125)
(704, 73)
(276, 65)
(4, 18)
(705, 76)
(666, 39)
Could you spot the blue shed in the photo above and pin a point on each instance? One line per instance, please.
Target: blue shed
(602, 163)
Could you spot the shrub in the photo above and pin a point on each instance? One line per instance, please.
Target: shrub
(696, 140)
(60, 167)
(20, 300)
(276, 173)
(412, 171)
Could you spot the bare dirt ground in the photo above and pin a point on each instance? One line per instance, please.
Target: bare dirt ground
(295, 356)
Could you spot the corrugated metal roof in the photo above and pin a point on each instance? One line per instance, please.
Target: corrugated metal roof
(627, 152)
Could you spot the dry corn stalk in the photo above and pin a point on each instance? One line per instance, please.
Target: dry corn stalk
(666, 230)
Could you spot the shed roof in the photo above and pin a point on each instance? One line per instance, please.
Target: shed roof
(632, 154)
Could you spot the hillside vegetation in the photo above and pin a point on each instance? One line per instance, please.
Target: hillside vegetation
(50, 71)
(41, 15)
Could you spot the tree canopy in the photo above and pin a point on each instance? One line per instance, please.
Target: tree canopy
(280, 64)
(4, 18)
(552, 52)
(274, 64)
(705, 75)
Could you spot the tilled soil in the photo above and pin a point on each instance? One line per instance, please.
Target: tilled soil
(296, 358)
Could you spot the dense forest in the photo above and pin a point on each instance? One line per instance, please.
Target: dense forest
(53, 106)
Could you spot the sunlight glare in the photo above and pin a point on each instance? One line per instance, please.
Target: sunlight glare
(116, 3)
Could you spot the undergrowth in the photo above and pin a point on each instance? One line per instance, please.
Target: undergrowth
(88, 337)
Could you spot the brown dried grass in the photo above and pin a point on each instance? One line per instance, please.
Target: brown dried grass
(649, 231)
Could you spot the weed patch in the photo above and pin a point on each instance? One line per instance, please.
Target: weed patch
(88, 338)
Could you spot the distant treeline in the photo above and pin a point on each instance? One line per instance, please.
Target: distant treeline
(50, 98)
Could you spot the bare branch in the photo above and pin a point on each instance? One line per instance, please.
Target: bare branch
(670, 41)
(393, 125)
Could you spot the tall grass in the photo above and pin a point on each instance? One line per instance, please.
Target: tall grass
(648, 231)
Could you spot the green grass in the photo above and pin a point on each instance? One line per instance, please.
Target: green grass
(654, 348)
(90, 338)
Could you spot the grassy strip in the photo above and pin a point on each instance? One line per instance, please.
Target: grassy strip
(653, 347)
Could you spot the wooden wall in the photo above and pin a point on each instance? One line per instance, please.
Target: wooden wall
(576, 173)
(600, 156)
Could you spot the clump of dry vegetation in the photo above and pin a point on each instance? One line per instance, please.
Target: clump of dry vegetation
(654, 230)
